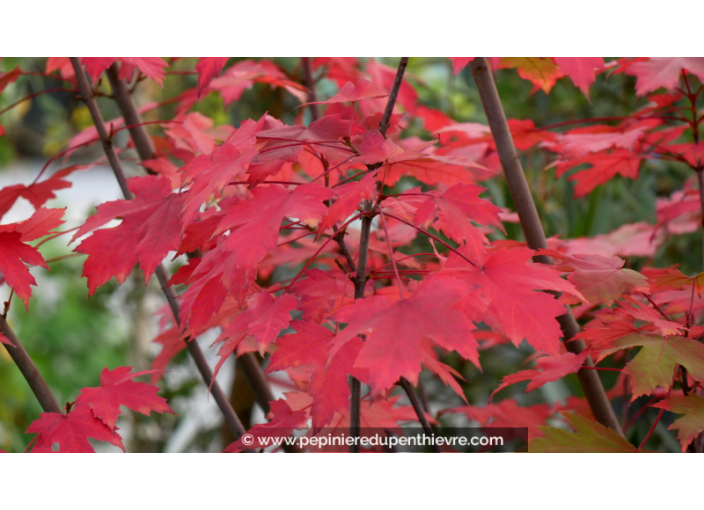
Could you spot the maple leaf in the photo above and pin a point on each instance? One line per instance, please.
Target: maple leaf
(589, 437)
(521, 313)
(172, 343)
(459, 63)
(71, 431)
(207, 69)
(664, 72)
(581, 70)
(211, 173)
(600, 279)
(540, 71)
(393, 348)
(118, 389)
(454, 210)
(349, 196)
(353, 92)
(152, 67)
(329, 386)
(321, 292)
(37, 193)
(674, 279)
(692, 423)
(150, 229)
(605, 166)
(15, 253)
(254, 226)
(264, 319)
(551, 368)
(415, 160)
(654, 364)
(244, 74)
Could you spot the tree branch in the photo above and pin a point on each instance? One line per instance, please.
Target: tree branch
(121, 94)
(361, 277)
(533, 230)
(193, 347)
(422, 418)
(145, 149)
(29, 370)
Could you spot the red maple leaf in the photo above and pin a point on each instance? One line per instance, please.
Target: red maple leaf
(664, 72)
(207, 69)
(550, 368)
(264, 319)
(15, 253)
(118, 389)
(71, 431)
(581, 70)
(150, 229)
(455, 209)
(598, 278)
(329, 387)
(353, 92)
(395, 331)
(37, 193)
(152, 67)
(522, 312)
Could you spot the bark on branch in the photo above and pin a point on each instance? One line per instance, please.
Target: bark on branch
(145, 149)
(29, 370)
(193, 347)
(533, 230)
(361, 277)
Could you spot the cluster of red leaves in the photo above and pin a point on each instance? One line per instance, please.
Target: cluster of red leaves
(95, 413)
(265, 194)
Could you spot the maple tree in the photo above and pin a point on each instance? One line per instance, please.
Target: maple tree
(347, 250)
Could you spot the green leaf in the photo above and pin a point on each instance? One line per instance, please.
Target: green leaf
(590, 437)
(692, 424)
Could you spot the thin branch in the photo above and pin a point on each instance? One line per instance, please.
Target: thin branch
(36, 94)
(533, 230)
(435, 238)
(193, 347)
(140, 137)
(145, 149)
(391, 102)
(422, 418)
(361, 277)
(29, 370)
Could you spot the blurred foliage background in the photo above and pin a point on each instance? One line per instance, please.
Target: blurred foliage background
(72, 337)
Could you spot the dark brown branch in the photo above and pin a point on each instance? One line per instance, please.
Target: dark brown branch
(361, 277)
(533, 230)
(193, 347)
(143, 143)
(406, 385)
(386, 119)
(140, 137)
(29, 370)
